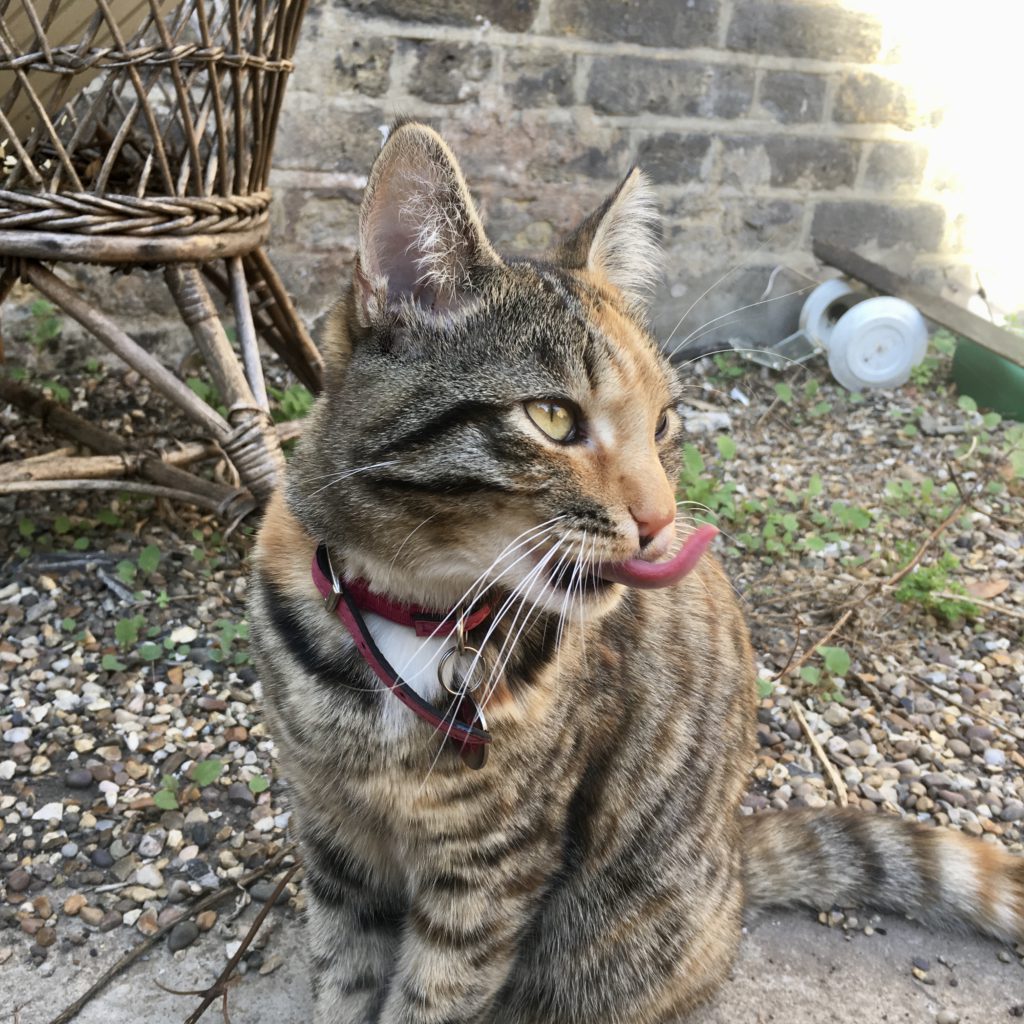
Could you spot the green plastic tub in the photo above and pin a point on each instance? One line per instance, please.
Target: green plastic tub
(992, 381)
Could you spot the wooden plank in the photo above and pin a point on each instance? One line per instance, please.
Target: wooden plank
(959, 320)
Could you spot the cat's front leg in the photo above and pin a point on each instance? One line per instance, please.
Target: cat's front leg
(458, 946)
(353, 926)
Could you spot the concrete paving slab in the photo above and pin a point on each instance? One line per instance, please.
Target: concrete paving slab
(791, 971)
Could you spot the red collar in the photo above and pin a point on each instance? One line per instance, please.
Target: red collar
(458, 723)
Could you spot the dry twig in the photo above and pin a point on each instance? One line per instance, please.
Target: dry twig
(206, 903)
(830, 769)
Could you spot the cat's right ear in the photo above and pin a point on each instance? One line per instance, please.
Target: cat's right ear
(420, 237)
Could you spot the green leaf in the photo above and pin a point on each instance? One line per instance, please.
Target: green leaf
(165, 800)
(784, 392)
(62, 524)
(811, 674)
(693, 461)
(126, 571)
(257, 784)
(110, 663)
(108, 517)
(814, 543)
(68, 624)
(967, 403)
(26, 527)
(837, 661)
(815, 486)
(811, 388)
(150, 651)
(149, 558)
(765, 688)
(205, 772)
(81, 544)
(126, 632)
(726, 446)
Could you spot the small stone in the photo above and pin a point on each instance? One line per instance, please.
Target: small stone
(994, 757)
(921, 964)
(262, 892)
(858, 749)
(18, 880)
(69, 851)
(43, 907)
(182, 935)
(147, 923)
(837, 715)
(1004, 956)
(46, 937)
(74, 903)
(231, 948)
(129, 917)
(148, 875)
(19, 734)
(7, 770)
(49, 812)
(206, 920)
(40, 765)
(78, 778)
(140, 893)
(947, 1017)
(152, 843)
(1013, 810)
(271, 964)
(91, 916)
(111, 920)
(240, 794)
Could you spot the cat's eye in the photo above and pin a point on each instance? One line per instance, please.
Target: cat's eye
(661, 428)
(554, 419)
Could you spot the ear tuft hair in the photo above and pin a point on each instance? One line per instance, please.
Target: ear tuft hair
(420, 237)
(620, 241)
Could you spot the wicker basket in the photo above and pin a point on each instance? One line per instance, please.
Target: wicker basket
(141, 132)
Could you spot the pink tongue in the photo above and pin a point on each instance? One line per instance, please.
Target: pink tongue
(635, 572)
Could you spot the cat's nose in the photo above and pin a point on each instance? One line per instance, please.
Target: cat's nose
(655, 526)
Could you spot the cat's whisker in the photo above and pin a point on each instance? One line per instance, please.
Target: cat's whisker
(409, 536)
(482, 582)
(745, 262)
(700, 331)
(501, 662)
(350, 473)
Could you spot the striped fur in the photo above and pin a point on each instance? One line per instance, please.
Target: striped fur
(595, 869)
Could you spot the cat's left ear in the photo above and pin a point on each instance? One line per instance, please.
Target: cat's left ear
(420, 237)
(619, 241)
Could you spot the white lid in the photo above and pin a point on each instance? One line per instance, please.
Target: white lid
(877, 343)
(816, 320)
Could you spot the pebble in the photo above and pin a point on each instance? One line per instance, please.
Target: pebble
(50, 811)
(1013, 810)
(74, 903)
(18, 880)
(240, 794)
(182, 935)
(147, 923)
(947, 1017)
(111, 920)
(206, 920)
(148, 875)
(92, 916)
(261, 892)
(102, 858)
(994, 757)
(78, 778)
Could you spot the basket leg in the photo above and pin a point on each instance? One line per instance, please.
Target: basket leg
(247, 332)
(288, 321)
(253, 446)
(129, 350)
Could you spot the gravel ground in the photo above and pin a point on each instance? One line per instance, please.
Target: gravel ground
(136, 776)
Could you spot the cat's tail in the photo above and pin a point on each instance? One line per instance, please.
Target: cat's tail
(846, 858)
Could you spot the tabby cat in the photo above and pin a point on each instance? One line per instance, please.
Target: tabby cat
(471, 556)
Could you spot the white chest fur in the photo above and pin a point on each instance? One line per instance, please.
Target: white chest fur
(414, 659)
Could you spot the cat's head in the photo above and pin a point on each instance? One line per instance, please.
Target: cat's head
(485, 421)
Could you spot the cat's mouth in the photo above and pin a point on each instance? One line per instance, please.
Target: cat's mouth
(637, 572)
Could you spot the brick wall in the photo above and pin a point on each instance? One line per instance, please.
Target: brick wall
(761, 123)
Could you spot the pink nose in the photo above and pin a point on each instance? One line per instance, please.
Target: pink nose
(655, 527)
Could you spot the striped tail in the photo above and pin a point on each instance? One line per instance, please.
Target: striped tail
(824, 858)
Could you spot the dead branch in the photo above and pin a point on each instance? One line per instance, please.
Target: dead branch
(830, 769)
(206, 903)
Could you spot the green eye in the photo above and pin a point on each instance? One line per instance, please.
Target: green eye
(553, 419)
